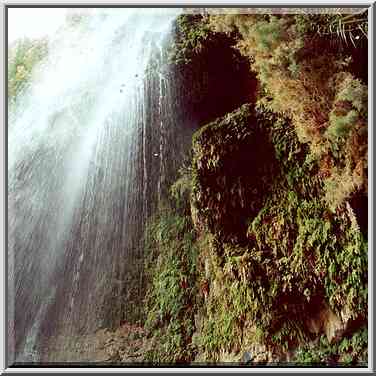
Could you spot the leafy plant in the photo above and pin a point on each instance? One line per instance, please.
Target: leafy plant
(171, 266)
(350, 351)
(307, 87)
(192, 32)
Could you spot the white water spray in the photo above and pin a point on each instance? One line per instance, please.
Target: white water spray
(70, 165)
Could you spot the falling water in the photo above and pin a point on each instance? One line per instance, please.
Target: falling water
(87, 159)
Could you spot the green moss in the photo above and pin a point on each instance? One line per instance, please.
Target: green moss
(224, 311)
(267, 34)
(299, 171)
(295, 232)
(311, 88)
(170, 301)
(216, 132)
(181, 190)
(344, 261)
(192, 32)
(232, 168)
(340, 126)
(291, 262)
(296, 236)
(355, 92)
(268, 276)
(24, 56)
(350, 351)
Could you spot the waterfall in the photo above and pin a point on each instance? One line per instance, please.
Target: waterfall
(90, 154)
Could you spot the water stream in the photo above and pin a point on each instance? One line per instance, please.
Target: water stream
(86, 154)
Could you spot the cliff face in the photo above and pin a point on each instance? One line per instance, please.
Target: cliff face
(281, 269)
(266, 262)
(234, 165)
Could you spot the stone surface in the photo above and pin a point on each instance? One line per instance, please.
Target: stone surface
(247, 357)
(233, 162)
(326, 322)
(127, 344)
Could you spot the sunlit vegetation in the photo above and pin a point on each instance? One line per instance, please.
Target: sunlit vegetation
(192, 35)
(262, 292)
(261, 225)
(291, 262)
(349, 351)
(170, 303)
(24, 57)
(317, 91)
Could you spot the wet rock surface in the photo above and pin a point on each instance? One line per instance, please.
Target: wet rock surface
(126, 345)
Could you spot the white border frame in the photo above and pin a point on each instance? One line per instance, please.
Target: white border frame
(198, 3)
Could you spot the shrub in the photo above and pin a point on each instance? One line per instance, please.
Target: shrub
(350, 351)
(192, 32)
(170, 301)
(24, 57)
(305, 86)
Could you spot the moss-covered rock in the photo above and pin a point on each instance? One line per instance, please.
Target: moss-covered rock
(350, 351)
(300, 263)
(280, 261)
(274, 269)
(213, 78)
(232, 172)
(318, 91)
(170, 302)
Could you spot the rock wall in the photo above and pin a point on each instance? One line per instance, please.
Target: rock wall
(278, 272)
